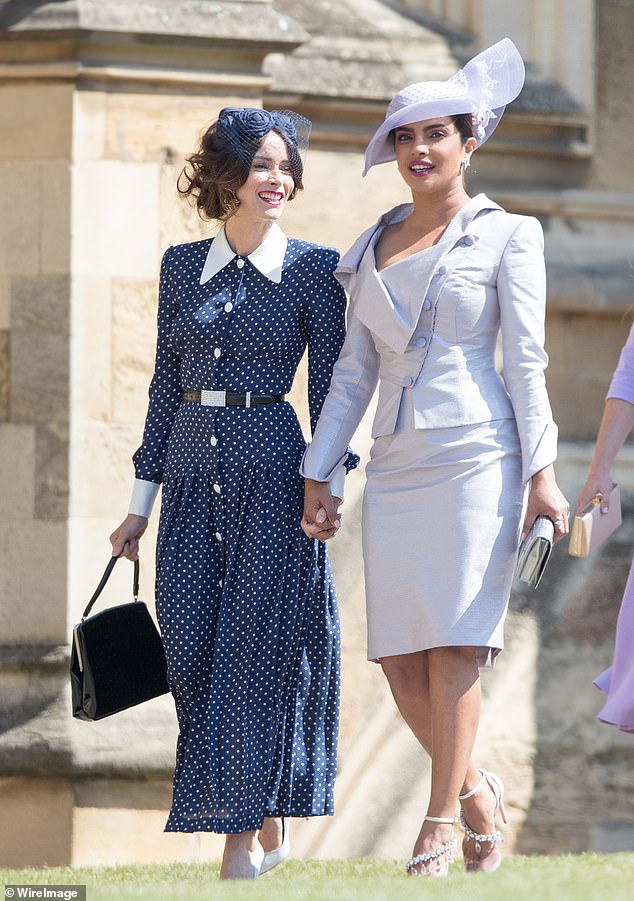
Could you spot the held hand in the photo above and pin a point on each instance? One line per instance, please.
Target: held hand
(545, 499)
(125, 539)
(597, 482)
(320, 519)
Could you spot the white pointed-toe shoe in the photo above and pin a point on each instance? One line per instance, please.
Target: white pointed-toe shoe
(272, 858)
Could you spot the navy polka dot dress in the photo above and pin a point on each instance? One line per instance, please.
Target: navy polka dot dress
(245, 601)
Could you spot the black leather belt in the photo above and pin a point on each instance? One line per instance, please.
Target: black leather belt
(209, 398)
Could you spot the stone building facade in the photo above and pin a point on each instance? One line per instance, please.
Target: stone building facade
(100, 101)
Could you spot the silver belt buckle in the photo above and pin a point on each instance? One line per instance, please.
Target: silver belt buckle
(213, 398)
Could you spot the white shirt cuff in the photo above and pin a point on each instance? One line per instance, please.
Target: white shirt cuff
(143, 497)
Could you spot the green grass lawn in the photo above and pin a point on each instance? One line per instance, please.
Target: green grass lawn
(586, 877)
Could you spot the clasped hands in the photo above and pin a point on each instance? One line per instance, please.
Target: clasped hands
(321, 518)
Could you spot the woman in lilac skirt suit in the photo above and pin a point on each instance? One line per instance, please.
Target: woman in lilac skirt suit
(618, 418)
(456, 451)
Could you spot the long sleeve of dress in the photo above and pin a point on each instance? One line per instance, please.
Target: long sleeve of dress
(165, 387)
(353, 382)
(325, 326)
(522, 297)
(622, 384)
(325, 330)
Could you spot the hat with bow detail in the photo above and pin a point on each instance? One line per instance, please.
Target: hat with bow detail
(482, 88)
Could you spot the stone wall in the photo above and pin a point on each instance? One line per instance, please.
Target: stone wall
(34, 357)
(614, 127)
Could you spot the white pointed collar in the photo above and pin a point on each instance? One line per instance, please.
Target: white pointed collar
(268, 257)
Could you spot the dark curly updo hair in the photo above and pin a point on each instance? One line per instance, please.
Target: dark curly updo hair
(222, 163)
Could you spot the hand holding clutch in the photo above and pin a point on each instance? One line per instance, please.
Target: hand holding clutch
(534, 551)
(591, 527)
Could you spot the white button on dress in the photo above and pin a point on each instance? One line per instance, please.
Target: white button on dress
(217, 353)
(240, 263)
(228, 307)
(213, 441)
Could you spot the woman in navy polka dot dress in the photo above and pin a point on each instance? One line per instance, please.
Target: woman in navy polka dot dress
(245, 601)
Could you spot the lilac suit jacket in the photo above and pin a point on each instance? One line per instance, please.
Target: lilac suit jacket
(485, 274)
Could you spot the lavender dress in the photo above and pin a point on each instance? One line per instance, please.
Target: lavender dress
(618, 680)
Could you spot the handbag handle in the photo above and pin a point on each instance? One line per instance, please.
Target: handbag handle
(104, 579)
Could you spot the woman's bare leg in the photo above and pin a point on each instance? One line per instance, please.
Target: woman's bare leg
(408, 678)
(271, 833)
(453, 673)
(238, 857)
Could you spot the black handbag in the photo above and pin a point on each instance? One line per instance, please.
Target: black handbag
(117, 658)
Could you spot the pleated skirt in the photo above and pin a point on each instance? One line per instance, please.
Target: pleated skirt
(442, 514)
(249, 620)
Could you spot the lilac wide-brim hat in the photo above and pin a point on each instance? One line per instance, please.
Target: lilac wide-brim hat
(482, 87)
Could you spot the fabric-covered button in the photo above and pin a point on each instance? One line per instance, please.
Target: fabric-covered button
(217, 488)
(240, 263)
(442, 270)
(468, 240)
(408, 382)
(217, 352)
(421, 342)
(213, 441)
(228, 307)
(427, 304)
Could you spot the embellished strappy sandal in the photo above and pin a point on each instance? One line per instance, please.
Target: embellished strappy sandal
(436, 862)
(492, 861)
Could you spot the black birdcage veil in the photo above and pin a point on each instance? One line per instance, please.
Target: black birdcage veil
(240, 131)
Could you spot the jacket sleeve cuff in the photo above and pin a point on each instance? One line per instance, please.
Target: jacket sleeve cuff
(544, 454)
(309, 471)
(337, 481)
(143, 497)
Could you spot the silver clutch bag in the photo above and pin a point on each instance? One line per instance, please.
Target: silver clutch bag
(534, 552)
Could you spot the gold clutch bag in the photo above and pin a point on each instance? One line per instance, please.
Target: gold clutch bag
(590, 527)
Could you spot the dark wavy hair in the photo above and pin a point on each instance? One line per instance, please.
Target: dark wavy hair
(464, 126)
(217, 171)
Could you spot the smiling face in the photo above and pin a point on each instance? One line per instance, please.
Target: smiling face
(429, 154)
(270, 181)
